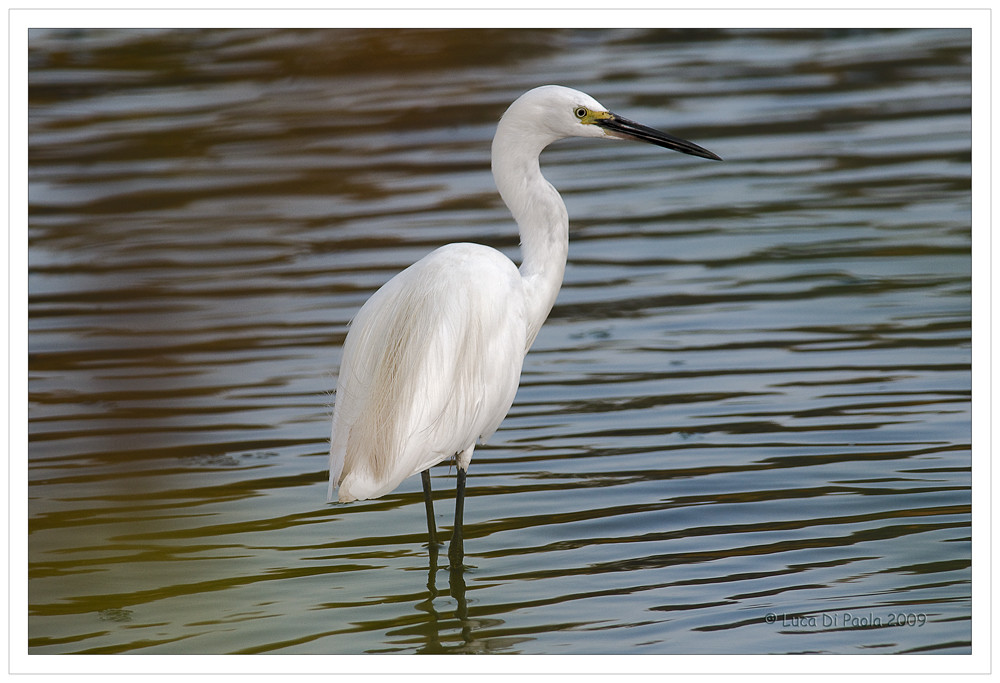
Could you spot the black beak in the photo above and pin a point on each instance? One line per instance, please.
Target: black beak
(630, 130)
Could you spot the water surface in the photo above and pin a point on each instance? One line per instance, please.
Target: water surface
(745, 427)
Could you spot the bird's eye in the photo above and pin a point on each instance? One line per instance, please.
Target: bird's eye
(581, 112)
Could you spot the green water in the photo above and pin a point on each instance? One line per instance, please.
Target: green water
(745, 427)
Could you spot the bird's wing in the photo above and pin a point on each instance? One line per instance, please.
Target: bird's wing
(431, 365)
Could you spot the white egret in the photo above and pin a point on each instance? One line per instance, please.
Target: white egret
(432, 360)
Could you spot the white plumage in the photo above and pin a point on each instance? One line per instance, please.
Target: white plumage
(432, 360)
(430, 366)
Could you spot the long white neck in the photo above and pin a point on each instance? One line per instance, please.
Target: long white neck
(540, 214)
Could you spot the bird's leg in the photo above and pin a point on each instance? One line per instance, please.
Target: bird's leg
(456, 550)
(425, 479)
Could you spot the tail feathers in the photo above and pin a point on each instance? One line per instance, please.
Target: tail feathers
(336, 468)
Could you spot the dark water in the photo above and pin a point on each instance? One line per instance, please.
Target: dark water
(745, 427)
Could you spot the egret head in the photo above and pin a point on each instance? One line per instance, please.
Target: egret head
(560, 112)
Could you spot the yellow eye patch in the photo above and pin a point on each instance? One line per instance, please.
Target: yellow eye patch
(588, 116)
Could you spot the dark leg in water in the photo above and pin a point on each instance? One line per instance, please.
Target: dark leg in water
(456, 550)
(425, 478)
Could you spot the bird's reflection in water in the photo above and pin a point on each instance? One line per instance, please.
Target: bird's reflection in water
(457, 589)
